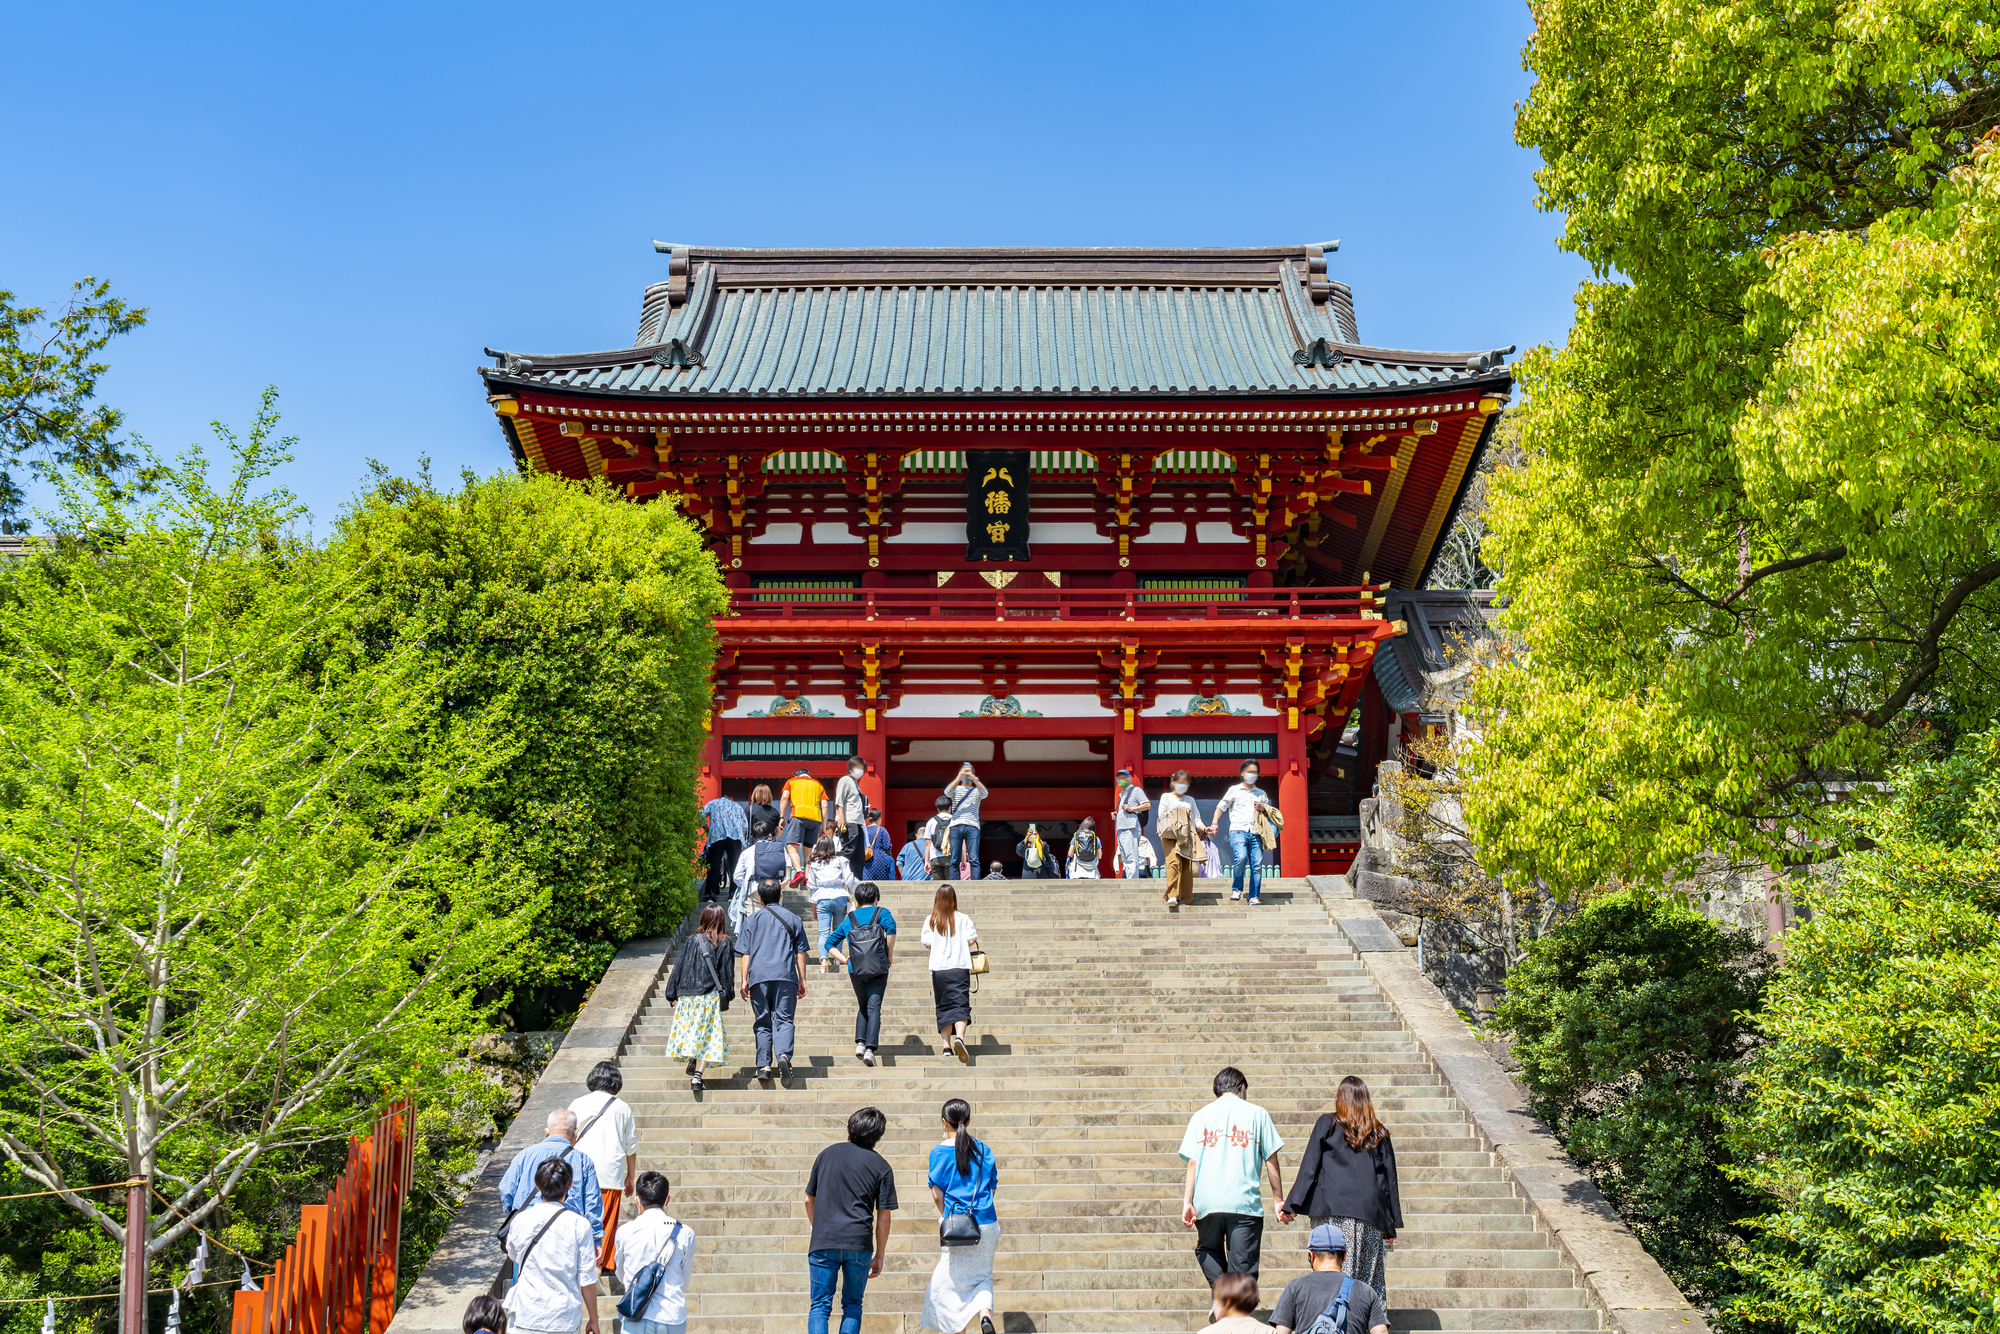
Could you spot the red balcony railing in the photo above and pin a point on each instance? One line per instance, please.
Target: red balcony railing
(1063, 604)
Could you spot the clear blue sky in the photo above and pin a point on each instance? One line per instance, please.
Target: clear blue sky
(350, 201)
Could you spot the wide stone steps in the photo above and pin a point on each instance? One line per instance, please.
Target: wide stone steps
(1092, 1042)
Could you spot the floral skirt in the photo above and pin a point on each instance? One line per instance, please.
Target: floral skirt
(1365, 1253)
(697, 1033)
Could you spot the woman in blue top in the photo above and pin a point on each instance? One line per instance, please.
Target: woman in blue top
(867, 957)
(964, 1175)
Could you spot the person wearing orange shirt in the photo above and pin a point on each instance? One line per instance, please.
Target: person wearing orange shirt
(802, 805)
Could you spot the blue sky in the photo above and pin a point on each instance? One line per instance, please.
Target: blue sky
(350, 201)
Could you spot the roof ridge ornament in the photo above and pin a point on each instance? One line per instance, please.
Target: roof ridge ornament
(1319, 352)
(676, 355)
(677, 271)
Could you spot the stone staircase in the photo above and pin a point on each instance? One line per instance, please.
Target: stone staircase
(1096, 1036)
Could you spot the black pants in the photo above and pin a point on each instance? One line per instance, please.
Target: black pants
(850, 848)
(719, 883)
(1228, 1244)
(868, 1009)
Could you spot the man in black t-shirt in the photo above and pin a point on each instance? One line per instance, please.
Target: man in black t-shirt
(849, 1196)
(1306, 1296)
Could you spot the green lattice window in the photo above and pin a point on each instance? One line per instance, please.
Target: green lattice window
(1190, 590)
(805, 590)
(1212, 747)
(787, 747)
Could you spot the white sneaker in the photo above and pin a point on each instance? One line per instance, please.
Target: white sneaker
(868, 1056)
(1235, 894)
(861, 1050)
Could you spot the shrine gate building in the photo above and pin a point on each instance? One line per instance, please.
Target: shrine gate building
(1053, 511)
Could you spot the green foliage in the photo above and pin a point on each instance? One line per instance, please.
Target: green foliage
(577, 626)
(245, 896)
(48, 381)
(1758, 526)
(1875, 1120)
(1627, 1020)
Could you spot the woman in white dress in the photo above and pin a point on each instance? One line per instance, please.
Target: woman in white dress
(963, 1177)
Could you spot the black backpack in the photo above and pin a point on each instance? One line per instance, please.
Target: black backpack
(770, 862)
(867, 944)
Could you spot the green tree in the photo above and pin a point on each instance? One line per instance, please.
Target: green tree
(1874, 1124)
(579, 626)
(244, 898)
(1628, 1021)
(49, 418)
(1754, 540)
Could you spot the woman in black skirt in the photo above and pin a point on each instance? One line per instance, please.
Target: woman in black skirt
(1347, 1177)
(950, 935)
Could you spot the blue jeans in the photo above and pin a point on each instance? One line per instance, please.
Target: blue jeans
(966, 837)
(826, 1266)
(773, 1009)
(831, 913)
(1246, 849)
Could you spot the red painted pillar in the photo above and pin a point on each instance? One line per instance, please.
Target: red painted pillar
(1128, 751)
(709, 786)
(872, 745)
(1295, 841)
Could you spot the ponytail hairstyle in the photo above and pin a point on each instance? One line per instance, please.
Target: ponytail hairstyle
(1355, 1111)
(825, 850)
(958, 1114)
(944, 912)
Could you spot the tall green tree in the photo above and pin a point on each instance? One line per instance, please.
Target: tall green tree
(577, 625)
(1874, 1121)
(49, 416)
(1629, 1020)
(1756, 539)
(244, 893)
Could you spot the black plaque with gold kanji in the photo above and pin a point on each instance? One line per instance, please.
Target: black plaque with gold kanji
(996, 504)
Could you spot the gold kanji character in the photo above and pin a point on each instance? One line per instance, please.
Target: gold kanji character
(997, 502)
(996, 532)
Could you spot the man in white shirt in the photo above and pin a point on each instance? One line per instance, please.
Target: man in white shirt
(555, 1261)
(1240, 805)
(655, 1238)
(610, 1138)
(1129, 821)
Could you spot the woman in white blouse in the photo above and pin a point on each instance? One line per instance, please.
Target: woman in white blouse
(951, 937)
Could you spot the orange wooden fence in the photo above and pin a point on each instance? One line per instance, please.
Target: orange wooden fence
(339, 1275)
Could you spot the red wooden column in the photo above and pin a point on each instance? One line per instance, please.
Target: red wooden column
(709, 786)
(872, 745)
(1295, 841)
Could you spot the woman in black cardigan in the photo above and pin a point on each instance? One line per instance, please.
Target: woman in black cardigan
(1347, 1177)
(698, 992)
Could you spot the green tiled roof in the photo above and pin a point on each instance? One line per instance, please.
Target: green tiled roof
(797, 323)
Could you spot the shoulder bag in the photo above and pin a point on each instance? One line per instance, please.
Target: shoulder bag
(510, 1267)
(1333, 1320)
(707, 952)
(958, 1230)
(639, 1294)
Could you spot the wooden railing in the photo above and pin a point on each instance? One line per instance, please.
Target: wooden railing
(986, 604)
(339, 1275)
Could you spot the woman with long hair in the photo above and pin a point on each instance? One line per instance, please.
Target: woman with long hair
(698, 992)
(829, 883)
(963, 1177)
(762, 806)
(1347, 1177)
(951, 937)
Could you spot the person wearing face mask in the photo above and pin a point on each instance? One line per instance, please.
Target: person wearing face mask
(850, 812)
(1240, 805)
(1085, 850)
(1129, 819)
(1181, 832)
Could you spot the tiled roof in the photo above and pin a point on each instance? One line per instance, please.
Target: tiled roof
(812, 322)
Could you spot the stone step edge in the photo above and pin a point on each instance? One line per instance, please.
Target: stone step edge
(1622, 1282)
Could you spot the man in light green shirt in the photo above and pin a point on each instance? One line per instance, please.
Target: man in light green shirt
(1227, 1144)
